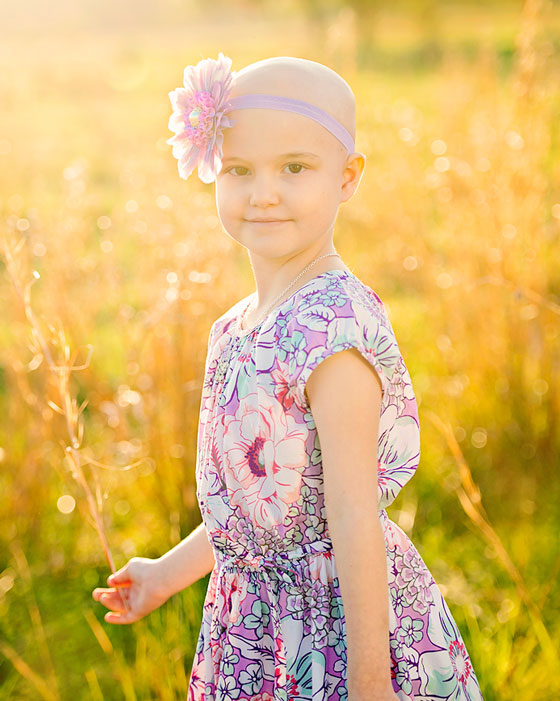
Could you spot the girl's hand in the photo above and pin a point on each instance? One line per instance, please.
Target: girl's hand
(141, 582)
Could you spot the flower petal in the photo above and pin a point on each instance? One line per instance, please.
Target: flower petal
(207, 87)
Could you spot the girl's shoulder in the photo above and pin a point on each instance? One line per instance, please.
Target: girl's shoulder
(340, 313)
(339, 295)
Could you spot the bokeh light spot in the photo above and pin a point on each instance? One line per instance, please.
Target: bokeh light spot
(438, 147)
(39, 249)
(164, 202)
(479, 437)
(122, 507)
(197, 276)
(177, 450)
(104, 223)
(514, 140)
(540, 386)
(444, 281)
(66, 504)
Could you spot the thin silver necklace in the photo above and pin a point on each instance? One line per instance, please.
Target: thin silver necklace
(271, 306)
(223, 363)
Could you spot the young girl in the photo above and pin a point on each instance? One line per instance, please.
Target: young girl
(308, 424)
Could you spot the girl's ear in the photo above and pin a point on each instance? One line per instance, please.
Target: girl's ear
(353, 171)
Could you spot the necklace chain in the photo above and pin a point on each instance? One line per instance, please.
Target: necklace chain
(283, 292)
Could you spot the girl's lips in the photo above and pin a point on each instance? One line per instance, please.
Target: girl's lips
(272, 221)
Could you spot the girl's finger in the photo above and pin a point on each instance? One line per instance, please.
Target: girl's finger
(112, 617)
(119, 577)
(112, 600)
(96, 593)
(99, 591)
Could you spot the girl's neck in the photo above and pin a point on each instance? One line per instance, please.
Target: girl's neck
(271, 282)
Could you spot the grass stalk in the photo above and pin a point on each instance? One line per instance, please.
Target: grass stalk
(470, 499)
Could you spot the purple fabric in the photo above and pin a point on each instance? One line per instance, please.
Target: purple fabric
(279, 102)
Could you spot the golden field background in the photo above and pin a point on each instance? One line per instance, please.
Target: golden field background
(456, 226)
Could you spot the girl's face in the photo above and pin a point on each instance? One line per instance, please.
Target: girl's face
(285, 167)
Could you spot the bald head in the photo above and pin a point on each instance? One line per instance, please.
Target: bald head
(300, 79)
(266, 145)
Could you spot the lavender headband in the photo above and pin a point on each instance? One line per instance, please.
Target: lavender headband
(199, 116)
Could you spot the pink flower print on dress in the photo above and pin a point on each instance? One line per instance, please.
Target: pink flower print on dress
(280, 672)
(199, 117)
(239, 588)
(264, 457)
(321, 567)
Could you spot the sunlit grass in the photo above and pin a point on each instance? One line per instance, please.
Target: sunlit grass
(456, 226)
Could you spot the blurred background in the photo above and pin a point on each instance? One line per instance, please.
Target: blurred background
(456, 226)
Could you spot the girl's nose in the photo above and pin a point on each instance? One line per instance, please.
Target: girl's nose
(263, 192)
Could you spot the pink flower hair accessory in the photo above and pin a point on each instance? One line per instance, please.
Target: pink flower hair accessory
(199, 117)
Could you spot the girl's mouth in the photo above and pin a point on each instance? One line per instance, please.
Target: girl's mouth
(267, 221)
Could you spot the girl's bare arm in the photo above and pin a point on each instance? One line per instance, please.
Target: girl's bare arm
(348, 430)
(188, 561)
(143, 584)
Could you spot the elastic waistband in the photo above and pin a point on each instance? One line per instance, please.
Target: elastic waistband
(272, 557)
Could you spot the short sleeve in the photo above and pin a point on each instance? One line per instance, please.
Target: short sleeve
(319, 330)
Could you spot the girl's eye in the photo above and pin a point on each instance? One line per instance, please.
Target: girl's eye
(299, 166)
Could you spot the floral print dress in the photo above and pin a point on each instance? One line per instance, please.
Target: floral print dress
(273, 623)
